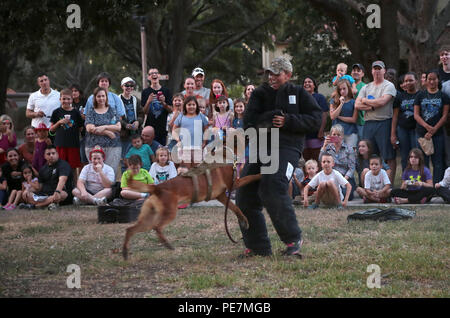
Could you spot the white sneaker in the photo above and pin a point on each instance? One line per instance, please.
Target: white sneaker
(76, 201)
(100, 202)
(52, 206)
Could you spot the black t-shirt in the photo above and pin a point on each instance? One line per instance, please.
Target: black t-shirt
(431, 108)
(67, 135)
(14, 183)
(443, 76)
(79, 106)
(49, 177)
(405, 103)
(157, 114)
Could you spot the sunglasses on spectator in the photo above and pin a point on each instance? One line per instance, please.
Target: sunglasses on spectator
(129, 85)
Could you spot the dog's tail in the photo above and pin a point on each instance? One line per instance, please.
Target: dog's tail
(246, 180)
(140, 186)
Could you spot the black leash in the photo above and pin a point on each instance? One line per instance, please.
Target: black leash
(226, 206)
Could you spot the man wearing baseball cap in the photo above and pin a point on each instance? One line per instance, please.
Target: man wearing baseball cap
(199, 77)
(376, 99)
(294, 112)
(132, 119)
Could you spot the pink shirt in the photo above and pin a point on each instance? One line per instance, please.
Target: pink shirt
(223, 121)
(5, 145)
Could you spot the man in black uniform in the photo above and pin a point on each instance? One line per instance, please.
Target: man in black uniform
(288, 107)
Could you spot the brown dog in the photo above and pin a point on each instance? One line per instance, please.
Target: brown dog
(161, 207)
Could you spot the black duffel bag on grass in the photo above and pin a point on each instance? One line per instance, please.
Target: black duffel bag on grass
(389, 214)
(119, 211)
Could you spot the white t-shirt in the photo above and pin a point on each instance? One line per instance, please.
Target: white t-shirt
(47, 103)
(377, 182)
(334, 176)
(92, 179)
(446, 181)
(161, 174)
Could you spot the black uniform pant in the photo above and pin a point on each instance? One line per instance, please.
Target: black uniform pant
(271, 192)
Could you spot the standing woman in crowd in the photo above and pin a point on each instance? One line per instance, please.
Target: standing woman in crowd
(103, 128)
(26, 150)
(343, 111)
(314, 140)
(248, 90)
(78, 98)
(78, 103)
(430, 111)
(403, 129)
(218, 89)
(8, 137)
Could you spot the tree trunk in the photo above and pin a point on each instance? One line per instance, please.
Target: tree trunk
(9, 61)
(389, 42)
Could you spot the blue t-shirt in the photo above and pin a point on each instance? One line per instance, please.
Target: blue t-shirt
(144, 152)
(113, 100)
(347, 77)
(322, 101)
(347, 111)
(194, 126)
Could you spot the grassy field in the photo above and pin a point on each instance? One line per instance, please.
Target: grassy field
(37, 247)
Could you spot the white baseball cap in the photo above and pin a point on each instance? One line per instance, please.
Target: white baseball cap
(197, 71)
(126, 80)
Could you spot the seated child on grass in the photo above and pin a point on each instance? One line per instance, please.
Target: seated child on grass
(163, 169)
(328, 183)
(417, 181)
(377, 187)
(311, 168)
(443, 187)
(139, 174)
(142, 150)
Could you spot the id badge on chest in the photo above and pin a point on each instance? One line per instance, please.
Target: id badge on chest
(292, 99)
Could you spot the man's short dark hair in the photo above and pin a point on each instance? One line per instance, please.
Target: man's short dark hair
(135, 160)
(51, 146)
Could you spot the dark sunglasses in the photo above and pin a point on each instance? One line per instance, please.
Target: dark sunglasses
(129, 85)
